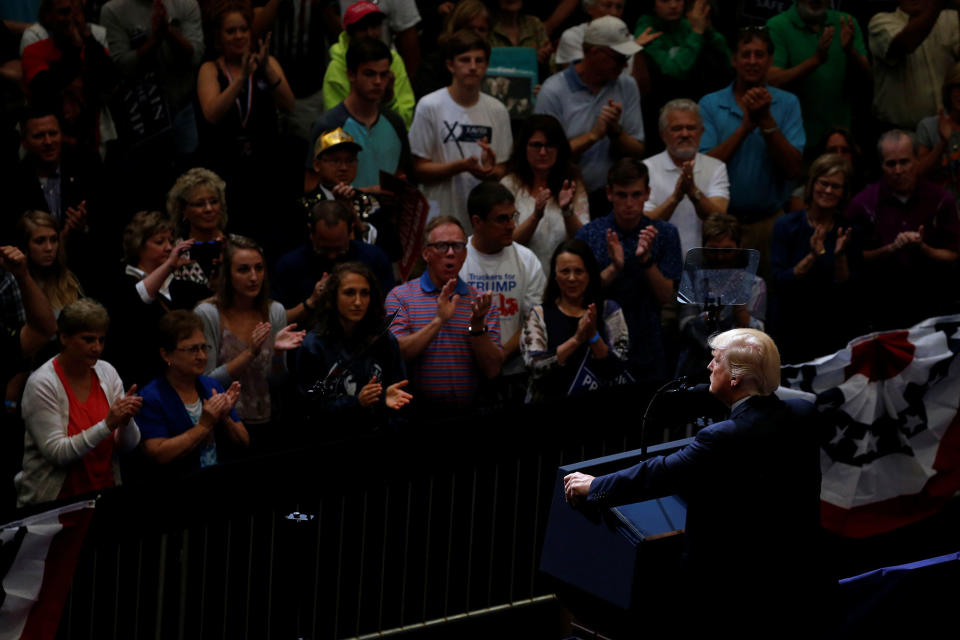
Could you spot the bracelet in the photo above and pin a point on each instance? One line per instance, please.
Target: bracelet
(596, 336)
(772, 129)
(475, 333)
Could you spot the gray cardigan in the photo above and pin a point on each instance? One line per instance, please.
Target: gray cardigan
(211, 331)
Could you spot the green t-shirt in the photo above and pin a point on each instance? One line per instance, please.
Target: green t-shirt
(676, 51)
(825, 94)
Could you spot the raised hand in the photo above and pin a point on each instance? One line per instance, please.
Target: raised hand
(488, 159)
(397, 398)
(14, 261)
(614, 249)
(179, 255)
(370, 392)
(159, 20)
(447, 301)
(232, 394)
(648, 36)
(699, 16)
(480, 308)
(543, 53)
(76, 218)
(567, 191)
(214, 408)
(123, 409)
(846, 32)
(288, 338)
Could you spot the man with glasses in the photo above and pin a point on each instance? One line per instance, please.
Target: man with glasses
(509, 271)
(598, 105)
(336, 158)
(641, 263)
(758, 132)
(910, 236)
(448, 332)
(299, 275)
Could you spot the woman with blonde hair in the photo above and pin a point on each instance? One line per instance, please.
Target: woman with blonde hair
(814, 258)
(40, 242)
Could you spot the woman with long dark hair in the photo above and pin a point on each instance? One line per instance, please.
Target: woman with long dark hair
(574, 322)
(350, 363)
(550, 197)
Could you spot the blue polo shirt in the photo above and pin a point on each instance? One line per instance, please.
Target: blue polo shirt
(565, 97)
(757, 187)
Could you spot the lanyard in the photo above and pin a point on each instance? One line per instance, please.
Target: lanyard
(246, 118)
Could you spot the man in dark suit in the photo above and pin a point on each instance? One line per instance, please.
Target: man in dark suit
(752, 486)
(65, 185)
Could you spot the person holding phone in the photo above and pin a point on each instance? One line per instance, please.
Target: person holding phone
(350, 365)
(78, 418)
(197, 206)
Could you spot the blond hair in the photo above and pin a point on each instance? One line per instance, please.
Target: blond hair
(57, 282)
(751, 356)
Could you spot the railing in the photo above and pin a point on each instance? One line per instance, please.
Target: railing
(435, 521)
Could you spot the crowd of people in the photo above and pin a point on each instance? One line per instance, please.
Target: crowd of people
(208, 232)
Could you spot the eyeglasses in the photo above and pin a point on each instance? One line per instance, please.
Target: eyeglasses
(343, 162)
(443, 247)
(829, 186)
(507, 218)
(200, 204)
(537, 147)
(195, 349)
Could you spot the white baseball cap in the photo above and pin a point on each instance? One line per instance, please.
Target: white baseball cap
(612, 32)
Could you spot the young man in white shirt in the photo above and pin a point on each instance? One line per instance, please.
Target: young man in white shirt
(508, 270)
(459, 135)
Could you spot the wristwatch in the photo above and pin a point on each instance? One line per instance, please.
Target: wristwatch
(474, 333)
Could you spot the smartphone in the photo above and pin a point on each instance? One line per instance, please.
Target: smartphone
(204, 253)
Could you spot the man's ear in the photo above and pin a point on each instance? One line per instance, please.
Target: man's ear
(609, 193)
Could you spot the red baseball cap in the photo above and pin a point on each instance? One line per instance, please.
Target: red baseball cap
(359, 10)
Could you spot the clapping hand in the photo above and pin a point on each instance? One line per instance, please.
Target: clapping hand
(76, 218)
(587, 326)
(645, 244)
(699, 16)
(846, 32)
(567, 191)
(615, 249)
(123, 409)
(370, 392)
(540, 201)
(397, 398)
(288, 338)
(344, 192)
(480, 308)
(258, 337)
(843, 239)
(757, 103)
(447, 301)
(823, 45)
(816, 240)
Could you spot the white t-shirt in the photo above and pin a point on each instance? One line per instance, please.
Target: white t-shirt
(710, 176)
(37, 32)
(401, 15)
(515, 279)
(551, 230)
(444, 131)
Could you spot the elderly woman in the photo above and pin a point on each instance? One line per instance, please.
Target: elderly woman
(78, 418)
(575, 323)
(551, 200)
(147, 289)
(813, 259)
(246, 331)
(197, 206)
(185, 413)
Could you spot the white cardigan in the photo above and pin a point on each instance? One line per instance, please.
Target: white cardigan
(47, 449)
